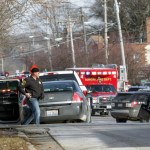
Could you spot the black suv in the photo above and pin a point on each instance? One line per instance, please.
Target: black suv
(131, 106)
(9, 101)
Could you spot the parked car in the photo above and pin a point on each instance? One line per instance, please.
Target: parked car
(10, 107)
(64, 102)
(136, 88)
(131, 106)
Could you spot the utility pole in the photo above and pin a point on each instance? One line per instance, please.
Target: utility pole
(85, 41)
(49, 50)
(69, 25)
(2, 63)
(106, 30)
(72, 45)
(121, 40)
(32, 37)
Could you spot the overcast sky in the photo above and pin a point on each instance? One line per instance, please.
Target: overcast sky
(82, 3)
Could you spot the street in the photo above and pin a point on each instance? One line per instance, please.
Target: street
(103, 133)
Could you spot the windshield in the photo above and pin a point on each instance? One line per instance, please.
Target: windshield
(101, 88)
(123, 97)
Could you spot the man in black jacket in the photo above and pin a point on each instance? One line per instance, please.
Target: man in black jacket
(32, 88)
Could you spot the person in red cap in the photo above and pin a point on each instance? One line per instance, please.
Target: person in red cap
(32, 88)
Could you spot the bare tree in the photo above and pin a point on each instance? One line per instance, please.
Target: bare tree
(10, 13)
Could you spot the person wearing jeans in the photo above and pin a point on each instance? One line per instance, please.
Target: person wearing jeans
(32, 88)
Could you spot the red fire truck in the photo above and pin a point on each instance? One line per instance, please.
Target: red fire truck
(102, 84)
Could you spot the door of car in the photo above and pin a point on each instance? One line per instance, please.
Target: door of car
(9, 101)
(144, 112)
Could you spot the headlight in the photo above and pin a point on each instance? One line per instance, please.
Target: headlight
(95, 100)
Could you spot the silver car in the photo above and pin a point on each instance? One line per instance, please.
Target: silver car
(64, 102)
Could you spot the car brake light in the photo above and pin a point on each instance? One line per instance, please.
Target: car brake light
(85, 92)
(50, 73)
(76, 97)
(5, 90)
(134, 103)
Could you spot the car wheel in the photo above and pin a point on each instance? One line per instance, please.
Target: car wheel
(102, 113)
(121, 120)
(92, 112)
(88, 117)
(142, 120)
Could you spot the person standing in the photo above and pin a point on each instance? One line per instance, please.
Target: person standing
(32, 88)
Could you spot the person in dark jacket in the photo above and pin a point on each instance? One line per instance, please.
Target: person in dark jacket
(32, 88)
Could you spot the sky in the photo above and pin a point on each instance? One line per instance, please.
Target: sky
(82, 3)
(87, 3)
(77, 3)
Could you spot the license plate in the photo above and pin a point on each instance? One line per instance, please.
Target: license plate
(108, 106)
(52, 112)
(120, 105)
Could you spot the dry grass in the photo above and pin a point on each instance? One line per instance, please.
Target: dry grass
(12, 143)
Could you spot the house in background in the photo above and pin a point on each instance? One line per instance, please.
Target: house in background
(137, 53)
(147, 45)
(137, 50)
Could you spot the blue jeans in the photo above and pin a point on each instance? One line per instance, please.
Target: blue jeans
(32, 112)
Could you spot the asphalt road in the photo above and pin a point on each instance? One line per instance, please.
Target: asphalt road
(102, 134)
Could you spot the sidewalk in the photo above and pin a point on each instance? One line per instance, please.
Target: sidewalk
(36, 138)
(40, 138)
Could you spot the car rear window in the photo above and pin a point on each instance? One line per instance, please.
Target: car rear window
(133, 89)
(56, 77)
(123, 97)
(147, 84)
(59, 86)
(12, 85)
(142, 98)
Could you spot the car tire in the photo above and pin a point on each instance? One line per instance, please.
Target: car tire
(92, 112)
(142, 120)
(88, 117)
(102, 113)
(118, 120)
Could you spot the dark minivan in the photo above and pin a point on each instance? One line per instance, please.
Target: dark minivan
(131, 106)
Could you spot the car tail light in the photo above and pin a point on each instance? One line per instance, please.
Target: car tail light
(6, 91)
(77, 97)
(85, 92)
(24, 100)
(134, 103)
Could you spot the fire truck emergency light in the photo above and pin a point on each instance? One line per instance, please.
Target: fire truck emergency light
(87, 73)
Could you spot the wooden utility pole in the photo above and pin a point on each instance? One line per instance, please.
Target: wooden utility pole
(85, 40)
(106, 30)
(121, 47)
